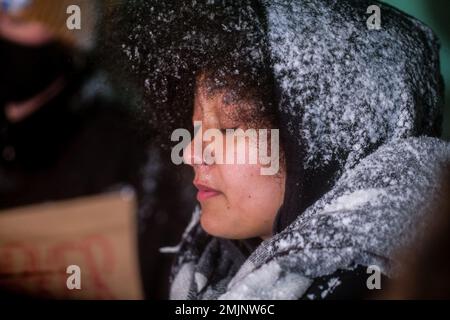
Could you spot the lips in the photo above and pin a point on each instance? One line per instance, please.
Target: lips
(205, 192)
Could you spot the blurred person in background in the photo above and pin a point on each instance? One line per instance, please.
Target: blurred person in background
(62, 133)
(427, 262)
(65, 132)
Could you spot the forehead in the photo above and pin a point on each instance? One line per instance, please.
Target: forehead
(223, 104)
(207, 103)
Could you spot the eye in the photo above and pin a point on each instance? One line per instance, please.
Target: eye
(224, 130)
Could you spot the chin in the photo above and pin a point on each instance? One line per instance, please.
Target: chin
(216, 227)
(219, 228)
(211, 225)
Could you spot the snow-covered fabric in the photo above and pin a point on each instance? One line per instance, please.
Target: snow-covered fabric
(372, 210)
(345, 90)
(354, 107)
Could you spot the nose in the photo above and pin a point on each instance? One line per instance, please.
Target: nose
(192, 153)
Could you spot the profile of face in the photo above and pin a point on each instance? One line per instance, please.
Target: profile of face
(237, 201)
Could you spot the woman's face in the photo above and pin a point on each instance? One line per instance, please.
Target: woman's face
(237, 201)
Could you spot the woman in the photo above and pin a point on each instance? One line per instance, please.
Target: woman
(354, 108)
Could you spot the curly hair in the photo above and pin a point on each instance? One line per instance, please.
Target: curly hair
(161, 48)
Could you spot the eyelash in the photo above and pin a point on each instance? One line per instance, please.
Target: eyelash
(224, 130)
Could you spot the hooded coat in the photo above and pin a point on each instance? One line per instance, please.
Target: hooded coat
(358, 111)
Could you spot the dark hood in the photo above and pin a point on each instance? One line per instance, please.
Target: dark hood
(341, 90)
(345, 90)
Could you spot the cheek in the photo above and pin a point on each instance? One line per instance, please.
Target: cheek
(250, 201)
(239, 182)
(258, 197)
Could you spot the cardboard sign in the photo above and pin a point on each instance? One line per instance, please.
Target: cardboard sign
(78, 249)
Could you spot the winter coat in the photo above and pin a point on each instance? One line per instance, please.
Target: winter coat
(371, 211)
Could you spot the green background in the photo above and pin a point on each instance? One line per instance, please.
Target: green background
(436, 14)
